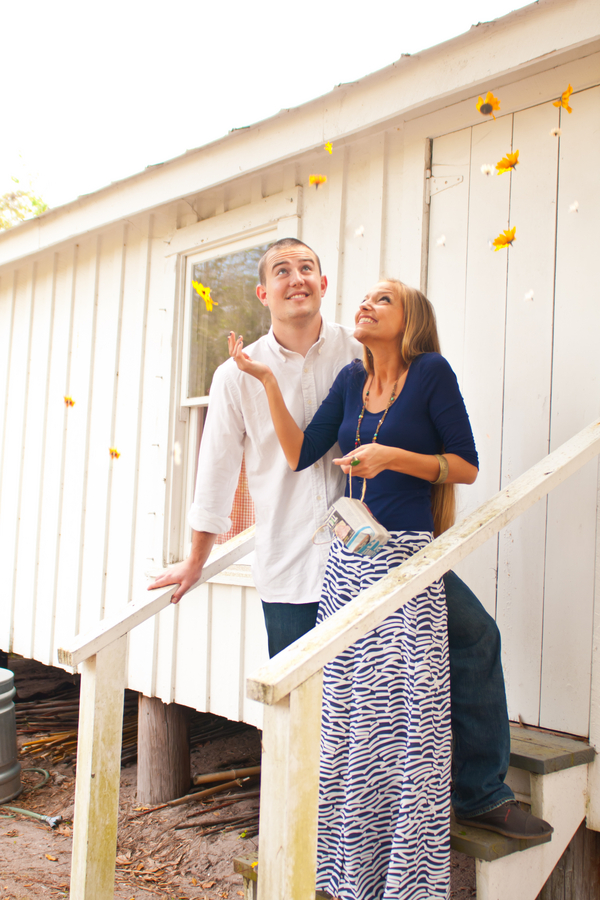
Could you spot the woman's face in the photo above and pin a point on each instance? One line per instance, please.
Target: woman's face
(380, 316)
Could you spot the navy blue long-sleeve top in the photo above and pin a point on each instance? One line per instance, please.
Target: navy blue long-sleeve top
(429, 415)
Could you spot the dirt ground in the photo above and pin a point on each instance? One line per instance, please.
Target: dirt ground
(156, 856)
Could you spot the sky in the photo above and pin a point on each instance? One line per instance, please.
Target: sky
(92, 93)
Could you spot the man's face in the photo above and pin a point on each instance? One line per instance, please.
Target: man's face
(294, 286)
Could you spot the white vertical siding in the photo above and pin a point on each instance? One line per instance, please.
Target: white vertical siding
(528, 372)
(100, 318)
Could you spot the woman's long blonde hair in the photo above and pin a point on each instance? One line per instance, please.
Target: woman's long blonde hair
(420, 336)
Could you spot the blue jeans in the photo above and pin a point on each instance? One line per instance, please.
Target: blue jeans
(481, 746)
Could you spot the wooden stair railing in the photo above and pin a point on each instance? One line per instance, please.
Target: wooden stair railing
(102, 654)
(290, 684)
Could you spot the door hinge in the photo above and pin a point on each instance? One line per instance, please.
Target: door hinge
(433, 185)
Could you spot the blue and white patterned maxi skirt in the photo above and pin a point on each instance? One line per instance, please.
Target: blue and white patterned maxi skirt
(384, 794)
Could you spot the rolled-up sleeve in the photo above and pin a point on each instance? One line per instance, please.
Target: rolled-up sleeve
(220, 457)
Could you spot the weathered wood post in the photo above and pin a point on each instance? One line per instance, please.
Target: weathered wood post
(98, 773)
(290, 770)
(163, 771)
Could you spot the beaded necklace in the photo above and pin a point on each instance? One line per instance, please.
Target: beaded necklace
(364, 406)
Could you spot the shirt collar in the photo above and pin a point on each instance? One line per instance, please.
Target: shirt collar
(276, 347)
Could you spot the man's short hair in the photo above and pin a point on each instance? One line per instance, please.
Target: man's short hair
(282, 242)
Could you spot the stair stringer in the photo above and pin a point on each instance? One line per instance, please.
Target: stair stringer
(560, 798)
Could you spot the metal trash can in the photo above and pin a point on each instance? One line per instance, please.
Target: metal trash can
(10, 769)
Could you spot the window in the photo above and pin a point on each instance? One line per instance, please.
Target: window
(231, 305)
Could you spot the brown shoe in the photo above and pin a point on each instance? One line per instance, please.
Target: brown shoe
(511, 821)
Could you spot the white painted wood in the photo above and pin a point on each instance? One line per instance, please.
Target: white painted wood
(24, 612)
(448, 231)
(120, 526)
(568, 607)
(76, 512)
(256, 654)
(13, 450)
(559, 798)
(7, 309)
(527, 41)
(148, 603)
(194, 649)
(526, 405)
(311, 652)
(227, 646)
(485, 309)
(98, 774)
(58, 418)
(593, 810)
(258, 217)
(290, 769)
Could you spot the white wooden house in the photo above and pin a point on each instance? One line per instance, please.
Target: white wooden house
(96, 303)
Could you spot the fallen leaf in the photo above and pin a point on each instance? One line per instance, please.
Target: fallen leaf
(51, 858)
(207, 884)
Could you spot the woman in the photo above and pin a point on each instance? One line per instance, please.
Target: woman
(385, 755)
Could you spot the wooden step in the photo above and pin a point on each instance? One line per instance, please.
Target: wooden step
(537, 752)
(542, 752)
(482, 844)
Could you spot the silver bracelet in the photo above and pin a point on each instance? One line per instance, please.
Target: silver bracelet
(443, 469)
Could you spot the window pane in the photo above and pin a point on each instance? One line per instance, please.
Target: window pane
(232, 280)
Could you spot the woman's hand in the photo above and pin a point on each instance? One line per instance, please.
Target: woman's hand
(368, 460)
(244, 362)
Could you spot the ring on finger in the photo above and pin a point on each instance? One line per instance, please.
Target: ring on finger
(355, 461)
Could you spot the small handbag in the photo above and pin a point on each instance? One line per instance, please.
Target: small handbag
(353, 524)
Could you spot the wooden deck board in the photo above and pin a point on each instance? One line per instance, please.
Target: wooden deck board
(542, 752)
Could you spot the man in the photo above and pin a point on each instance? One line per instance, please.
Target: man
(306, 353)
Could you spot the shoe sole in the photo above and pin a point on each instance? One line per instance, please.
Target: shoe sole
(508, 834)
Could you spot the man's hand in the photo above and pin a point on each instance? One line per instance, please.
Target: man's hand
(187, 573)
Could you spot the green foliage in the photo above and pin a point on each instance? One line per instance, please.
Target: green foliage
(232, 280)
(18, 205)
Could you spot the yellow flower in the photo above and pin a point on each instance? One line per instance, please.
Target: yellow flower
(486, 107)
(508, 162)
(114, 453)
(504, 239)
(329, 147)
(69, 401)
(564, 100)
(204, 292)
(317, 180)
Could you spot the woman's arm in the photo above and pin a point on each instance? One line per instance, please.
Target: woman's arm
(374, 458)
(290, 436)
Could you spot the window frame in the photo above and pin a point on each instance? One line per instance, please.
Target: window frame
(267, 220)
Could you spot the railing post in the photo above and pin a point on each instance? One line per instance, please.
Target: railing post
(98, 773)
(290, 794)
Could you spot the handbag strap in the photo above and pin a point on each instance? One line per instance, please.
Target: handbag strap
(364, 490)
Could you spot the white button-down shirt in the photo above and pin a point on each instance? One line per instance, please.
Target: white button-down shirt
(289, 506)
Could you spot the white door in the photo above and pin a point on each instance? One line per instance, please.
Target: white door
(521, 327)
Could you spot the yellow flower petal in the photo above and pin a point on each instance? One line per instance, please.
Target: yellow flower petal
(504, 239)
(508, 162)
(317, 179)
(564, 100)
(488, 106)
(329, 147)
